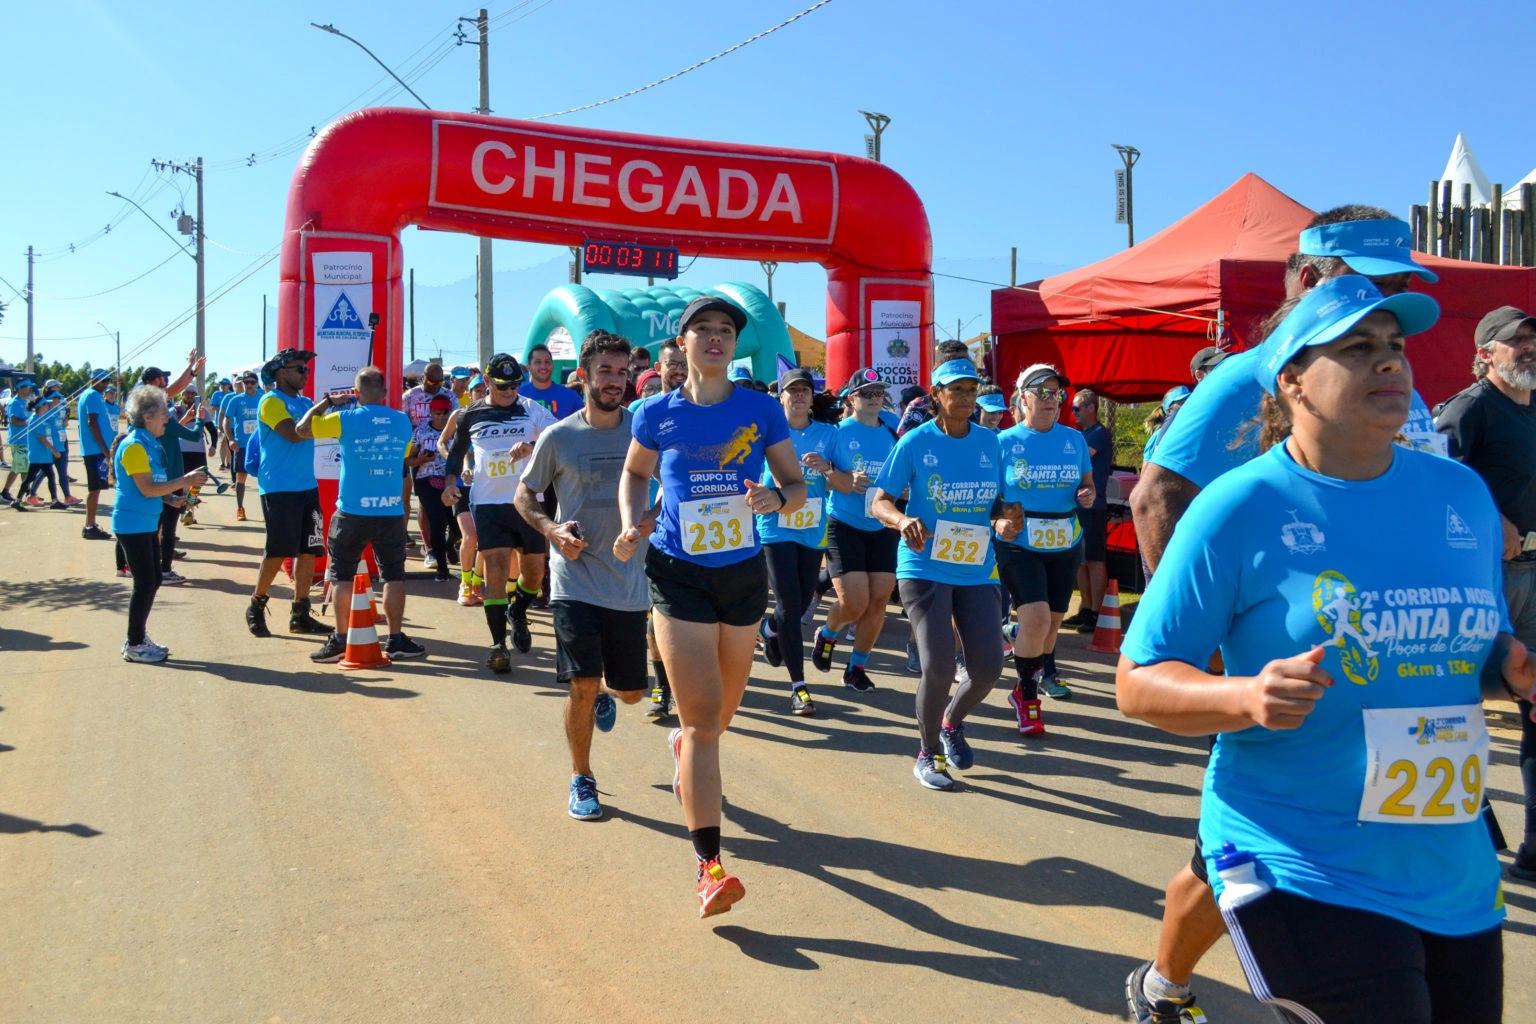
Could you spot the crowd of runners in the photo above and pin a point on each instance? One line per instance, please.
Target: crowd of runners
(1338, 578)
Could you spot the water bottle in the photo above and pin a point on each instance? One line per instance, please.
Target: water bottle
(1240, 883)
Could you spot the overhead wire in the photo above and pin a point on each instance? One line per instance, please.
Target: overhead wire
(684, 71)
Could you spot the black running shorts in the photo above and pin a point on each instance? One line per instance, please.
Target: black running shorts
(850, 549)
(1095, 533)
(734, 595)
(1315, 961)
(599, 643)
(462, 505)
(95, 472)
(502, 526)
(294, 525)
(1035, 576)
(350, 534)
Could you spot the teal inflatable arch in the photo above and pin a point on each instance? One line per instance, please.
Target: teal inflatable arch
(648, 317)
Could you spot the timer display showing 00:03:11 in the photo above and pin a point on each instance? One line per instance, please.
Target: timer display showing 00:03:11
(607, 258)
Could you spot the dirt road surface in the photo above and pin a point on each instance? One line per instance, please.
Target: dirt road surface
(240, 836)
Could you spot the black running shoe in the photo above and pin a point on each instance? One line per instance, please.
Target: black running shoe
(522, 639)
(661, 703)
(821, 651)
(771, 650)
(334, 648)
(300, 621)
(1160, 1011)
(499, 659)
(256, 617)
(94, 532)
(398, 646)
(855, 678)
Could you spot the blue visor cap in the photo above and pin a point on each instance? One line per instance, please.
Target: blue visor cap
(956, 369)
(1375, 248)
(1178, 394)
(992, 403)
(739, 373)
(460, 373)
(1329, 311)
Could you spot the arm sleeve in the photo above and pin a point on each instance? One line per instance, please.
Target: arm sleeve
(328, 425)
(540, 471)
(460, 447)
(135, 459)
(272, 411)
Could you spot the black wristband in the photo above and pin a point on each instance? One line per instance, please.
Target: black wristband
(782, 500)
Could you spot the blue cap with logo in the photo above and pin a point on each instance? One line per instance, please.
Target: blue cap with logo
(1375, 248)
(477, 381)
(1174, 396)
(1329, 311)
(956, 369)
(739, 373)
(992, 403)
(460, 373)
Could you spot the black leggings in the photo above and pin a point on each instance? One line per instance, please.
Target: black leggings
(437, 520)
(1528, 773)
(937, 611)
(1315, 961)
(142, 551)
(792, 570)
(39, 472)
(170, 517)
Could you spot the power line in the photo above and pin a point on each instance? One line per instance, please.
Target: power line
(106, 291)
(691, 67)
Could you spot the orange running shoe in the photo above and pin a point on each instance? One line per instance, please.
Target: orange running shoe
(239, 515)
(718, 891)
(469, 595)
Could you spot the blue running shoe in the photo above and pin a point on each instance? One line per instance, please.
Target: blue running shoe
(932, 772)
(604, 712)
(584, 803)
(956, 751)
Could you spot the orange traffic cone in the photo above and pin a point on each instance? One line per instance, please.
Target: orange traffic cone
(1106, 635)
(363, 649)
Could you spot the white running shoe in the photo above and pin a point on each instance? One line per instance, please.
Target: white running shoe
(145, 653)
(430, 561)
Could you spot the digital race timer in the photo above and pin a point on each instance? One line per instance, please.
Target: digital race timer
(620, 258)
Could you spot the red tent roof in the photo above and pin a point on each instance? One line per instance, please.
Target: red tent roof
(1127, 325)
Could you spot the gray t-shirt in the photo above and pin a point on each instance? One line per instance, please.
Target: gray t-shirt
(581, 465)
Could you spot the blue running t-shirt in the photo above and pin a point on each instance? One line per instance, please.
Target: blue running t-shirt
(807, 525)
(1374, 802)
(706, 453)
(560, 400)
(373, 440)
(859, 449)
(285, 465)
(1042, 471)
(1197, 442)
(953, 481)
(91, 404)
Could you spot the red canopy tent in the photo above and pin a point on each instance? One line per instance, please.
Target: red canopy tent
(1127, 325)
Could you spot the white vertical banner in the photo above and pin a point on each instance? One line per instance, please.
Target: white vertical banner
(1122, 214)
(343, 298)
(895, 339)
(869, 147)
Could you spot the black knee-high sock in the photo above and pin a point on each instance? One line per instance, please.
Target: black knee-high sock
(706, 843)
(661, 674)
(496, 618)
(1050, 663)
(520, 602)
(1026, 668)
(240, 494)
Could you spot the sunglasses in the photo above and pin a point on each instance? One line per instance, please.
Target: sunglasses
(1049, 394)
(499, 386)
(870, 393)
(300, 367)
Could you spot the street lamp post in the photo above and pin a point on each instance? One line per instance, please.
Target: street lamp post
(1129, 155)
(333, 30)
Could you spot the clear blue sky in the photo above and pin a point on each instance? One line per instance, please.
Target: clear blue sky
(1003, 116)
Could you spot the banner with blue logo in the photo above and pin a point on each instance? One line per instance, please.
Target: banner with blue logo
(343, 299)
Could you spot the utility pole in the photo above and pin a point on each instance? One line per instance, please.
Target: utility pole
(769, 266)
(877, 124)
(187, 226)
(485, 309)
(263, 328)
(30, 367)
(1128, 154)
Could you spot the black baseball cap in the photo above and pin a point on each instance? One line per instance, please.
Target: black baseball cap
(862, 380)
(153, 371)
(248, 375)
(797, 375)
(705, 303)
(1206, 359)
(503, 369)
(1501, 325)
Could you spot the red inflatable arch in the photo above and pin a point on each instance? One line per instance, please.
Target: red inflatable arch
(372, 173)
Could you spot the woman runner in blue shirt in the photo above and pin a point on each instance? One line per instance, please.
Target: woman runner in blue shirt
(709, 588)
(795, 541)
(1351, 754)
(1046, 470)
(952, 470)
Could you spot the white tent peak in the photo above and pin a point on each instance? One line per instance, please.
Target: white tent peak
(1463, 169)
(1512, 196)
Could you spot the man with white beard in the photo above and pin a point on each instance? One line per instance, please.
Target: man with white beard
(1492, 428)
